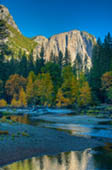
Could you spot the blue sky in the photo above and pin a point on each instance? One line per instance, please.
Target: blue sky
(48, 17)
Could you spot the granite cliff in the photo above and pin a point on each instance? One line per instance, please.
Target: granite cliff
(77, 42)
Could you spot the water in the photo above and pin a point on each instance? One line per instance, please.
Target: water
(97, 159)
(89, 159)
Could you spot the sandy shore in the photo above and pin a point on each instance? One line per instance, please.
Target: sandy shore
(40, 141)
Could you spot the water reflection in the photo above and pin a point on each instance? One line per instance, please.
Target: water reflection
(97, 159)
(64, 161)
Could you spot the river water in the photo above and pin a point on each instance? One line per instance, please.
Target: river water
(90, 159)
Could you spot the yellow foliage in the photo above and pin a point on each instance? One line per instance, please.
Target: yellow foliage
(43, 88)
(85, 95)
(15, 103)
(106, 80)
(61, 100)
(22, 98)
(3, 103)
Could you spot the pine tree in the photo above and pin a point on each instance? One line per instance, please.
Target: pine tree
(67, 58)
(31, 62)
(23, 66)
(97, 70)
(42, 60)
(60, 60)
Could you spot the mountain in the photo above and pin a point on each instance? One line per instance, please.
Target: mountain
(77, 42)
(15, 40)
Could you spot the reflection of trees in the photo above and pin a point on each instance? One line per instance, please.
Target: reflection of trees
(63, 161)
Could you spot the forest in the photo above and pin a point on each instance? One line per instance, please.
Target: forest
(26, 81)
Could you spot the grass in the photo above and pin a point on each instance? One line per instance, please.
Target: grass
(17, 41)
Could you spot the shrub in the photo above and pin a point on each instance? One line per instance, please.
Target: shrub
(15, 103)
(3, 103)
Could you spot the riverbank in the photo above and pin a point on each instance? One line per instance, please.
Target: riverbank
(25, 141)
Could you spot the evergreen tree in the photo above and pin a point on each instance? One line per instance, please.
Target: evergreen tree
(78, 65)
(42, 60)
(3, 35)
(60, 60)
(31, 62)
(38, 65)
(96, 71)
(52, 57)
(67, 58)
(23, 66)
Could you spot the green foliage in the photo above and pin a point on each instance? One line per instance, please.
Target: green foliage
(84, 97)
(18, 41)
(43, 89)
(67, 58)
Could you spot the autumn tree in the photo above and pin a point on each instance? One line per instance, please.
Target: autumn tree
(60, 99)
(30, 88)
(14, 84)
(43, 89)
(106, 81)
(22, 98)
(68, 84)
(84, 97)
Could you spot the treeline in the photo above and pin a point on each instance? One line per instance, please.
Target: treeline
(25, 81)
(28, 81)
(100, 76)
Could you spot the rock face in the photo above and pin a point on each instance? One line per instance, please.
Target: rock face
(5, 15)
(76, 41)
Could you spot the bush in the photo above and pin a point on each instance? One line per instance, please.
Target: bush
(15, 103)
(3, 103)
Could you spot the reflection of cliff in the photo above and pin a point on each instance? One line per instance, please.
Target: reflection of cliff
(64, 161)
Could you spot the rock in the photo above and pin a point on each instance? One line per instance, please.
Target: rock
(5, 15)
(76, 42)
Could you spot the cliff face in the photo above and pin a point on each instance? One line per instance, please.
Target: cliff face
(76, 41)
(15, 40)
(5, 15)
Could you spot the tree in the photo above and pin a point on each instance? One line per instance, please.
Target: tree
(54, 70)
(23, 66)
(60, 60)
(3, 103)
(42, 60)
(78, 64)
(85, 95)
(96, 70)
(43, 89)
(52, 57)
(60, 99)
(3, 36)
(106, 82)
(1, 89)
(66, 88)
(22, 98)
(15, 102)
(14, 84)
(30, 96)
(67, 58)
(31, 62)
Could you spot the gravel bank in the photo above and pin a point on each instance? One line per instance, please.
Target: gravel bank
(15, 146)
